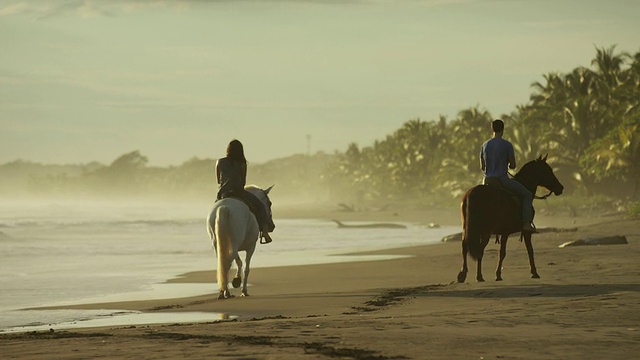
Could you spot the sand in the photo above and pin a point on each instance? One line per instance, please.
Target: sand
(586, 305)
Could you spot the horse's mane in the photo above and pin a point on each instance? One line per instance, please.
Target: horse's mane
(527, 168)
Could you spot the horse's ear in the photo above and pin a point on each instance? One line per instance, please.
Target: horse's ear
(545, 157)
(269, 189)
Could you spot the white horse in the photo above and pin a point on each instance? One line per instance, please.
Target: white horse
(232, 227)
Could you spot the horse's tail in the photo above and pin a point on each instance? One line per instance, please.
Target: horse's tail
(223, 245)
(473, 226)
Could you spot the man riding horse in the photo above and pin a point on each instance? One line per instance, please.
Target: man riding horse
(496, 157)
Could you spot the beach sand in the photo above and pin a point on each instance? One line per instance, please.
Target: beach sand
(586, 305)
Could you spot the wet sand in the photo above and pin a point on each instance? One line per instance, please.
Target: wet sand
(586, 305)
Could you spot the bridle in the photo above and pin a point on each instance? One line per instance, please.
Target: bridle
(544, 197)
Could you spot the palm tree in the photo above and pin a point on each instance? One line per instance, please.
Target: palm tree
(527, 131)
(609, 66)
(618, 154)
(461, 165)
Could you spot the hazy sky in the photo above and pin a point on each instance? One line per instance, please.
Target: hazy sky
(91, 80)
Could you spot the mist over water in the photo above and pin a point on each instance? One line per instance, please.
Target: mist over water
(66, 253)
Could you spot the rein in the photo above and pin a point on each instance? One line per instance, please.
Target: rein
(544, 197)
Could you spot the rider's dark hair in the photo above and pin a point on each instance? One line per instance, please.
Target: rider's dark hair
(235, 151)
(497, 126)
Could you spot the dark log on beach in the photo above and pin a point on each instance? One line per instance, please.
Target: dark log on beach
(554, 229)
(369, 226)
(452, 237)
(458, 236)
(608, 240)
(346, 207)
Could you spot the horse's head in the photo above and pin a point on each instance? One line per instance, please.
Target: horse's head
(544, 175)
(263, 196)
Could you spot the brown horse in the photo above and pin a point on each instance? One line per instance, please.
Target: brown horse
(491, 209)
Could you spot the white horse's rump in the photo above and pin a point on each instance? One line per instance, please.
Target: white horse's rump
(232, 227)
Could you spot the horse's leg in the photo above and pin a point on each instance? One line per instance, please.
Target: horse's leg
(246, 273)
(224, 266)
(503, 254)
(223, 276)
(462, 275)
(238, 278)
(532, 263)
(224, 249)
(484, 240)
(479, 277)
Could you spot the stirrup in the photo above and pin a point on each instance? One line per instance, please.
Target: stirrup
(265, 239)
(530, 229)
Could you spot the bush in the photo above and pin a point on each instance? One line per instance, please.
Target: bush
(634, 210)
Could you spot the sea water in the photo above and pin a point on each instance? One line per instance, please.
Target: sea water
(64, 254)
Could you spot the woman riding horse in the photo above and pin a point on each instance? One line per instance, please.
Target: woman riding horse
(231, 174)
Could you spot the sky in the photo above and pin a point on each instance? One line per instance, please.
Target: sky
(90, 80)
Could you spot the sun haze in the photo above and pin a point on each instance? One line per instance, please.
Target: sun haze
(90, 80)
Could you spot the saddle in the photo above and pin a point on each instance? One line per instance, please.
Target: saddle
(492, 181)
(228, 194)
(512, 196)
(264, 237)
(495, 181)
(233, 195)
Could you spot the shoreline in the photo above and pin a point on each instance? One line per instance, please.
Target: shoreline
(106, 314)
(585, 305)
(146, 305)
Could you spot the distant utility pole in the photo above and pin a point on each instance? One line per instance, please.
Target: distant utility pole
(308, 144)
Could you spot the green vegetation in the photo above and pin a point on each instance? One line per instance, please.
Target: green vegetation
(587, 120)
(634, 210)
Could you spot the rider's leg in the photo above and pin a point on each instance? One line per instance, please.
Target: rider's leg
(257, 208)
(527, 202)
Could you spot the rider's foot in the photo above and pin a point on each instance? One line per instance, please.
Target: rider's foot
(528, 227)
(266, 238)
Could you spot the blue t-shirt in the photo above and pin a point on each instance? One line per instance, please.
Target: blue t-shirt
(496, 153)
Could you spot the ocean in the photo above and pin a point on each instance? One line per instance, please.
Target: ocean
(55, 254)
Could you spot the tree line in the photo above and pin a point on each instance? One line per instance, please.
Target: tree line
(587, 120)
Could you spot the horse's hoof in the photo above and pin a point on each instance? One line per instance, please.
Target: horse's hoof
(224, 295)
(498, 278)
(535, 276)
(244, 294)
(236, 282)
(462, 277)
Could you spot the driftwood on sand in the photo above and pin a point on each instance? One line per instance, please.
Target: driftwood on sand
(345, 207)
(452, 237)
(369, 226)
(458, 236)
(606, 240)
(351, 208)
